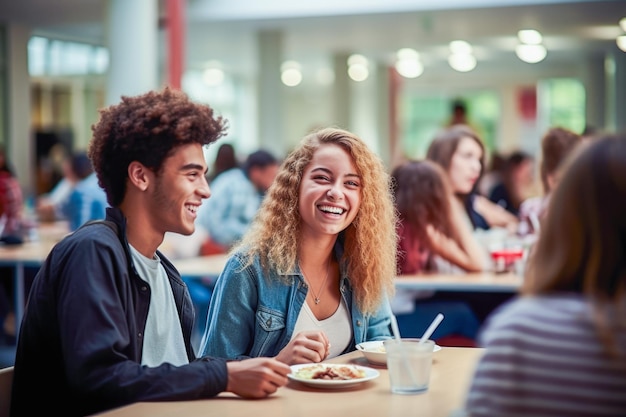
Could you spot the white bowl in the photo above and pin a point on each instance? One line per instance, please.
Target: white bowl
(375, 353)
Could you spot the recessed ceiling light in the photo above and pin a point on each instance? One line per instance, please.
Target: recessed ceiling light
(529, 36)
(291, 73)
(213, 76)
(357, 59)
(531, 53)
(409, 68)
(291, 77)
(290, 65)
(460, 47)
(407, 53)
(358, 72)
(462, 62)
(621, 42)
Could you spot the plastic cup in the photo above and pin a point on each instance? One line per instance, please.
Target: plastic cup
(408, 364)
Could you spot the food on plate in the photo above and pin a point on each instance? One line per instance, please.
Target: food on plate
(319, 371)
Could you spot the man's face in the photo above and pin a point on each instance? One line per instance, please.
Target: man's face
(179, 190)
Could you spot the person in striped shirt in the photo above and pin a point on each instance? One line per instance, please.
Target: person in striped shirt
(559, 349)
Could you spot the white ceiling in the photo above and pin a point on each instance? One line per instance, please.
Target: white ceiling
(572, 30)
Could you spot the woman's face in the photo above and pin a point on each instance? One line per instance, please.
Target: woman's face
(465, 165)
(330, 192)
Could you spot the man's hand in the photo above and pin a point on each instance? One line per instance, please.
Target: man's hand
(256, 377)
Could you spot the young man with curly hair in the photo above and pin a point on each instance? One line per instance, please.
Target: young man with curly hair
(109, 319)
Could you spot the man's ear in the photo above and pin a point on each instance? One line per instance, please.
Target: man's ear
(139, 175)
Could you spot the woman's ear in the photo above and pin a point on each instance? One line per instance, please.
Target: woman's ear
(138, 175)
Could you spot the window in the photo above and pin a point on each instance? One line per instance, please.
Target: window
(56, 57)
(565, 103)
(423, 116)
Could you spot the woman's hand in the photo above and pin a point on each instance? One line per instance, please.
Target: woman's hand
(306, 347)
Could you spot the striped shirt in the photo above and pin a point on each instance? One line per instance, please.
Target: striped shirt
(543, 358)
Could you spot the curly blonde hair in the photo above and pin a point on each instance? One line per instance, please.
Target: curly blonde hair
(369, 241)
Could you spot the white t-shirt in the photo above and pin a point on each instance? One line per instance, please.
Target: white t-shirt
(163, 337)
(337, 327)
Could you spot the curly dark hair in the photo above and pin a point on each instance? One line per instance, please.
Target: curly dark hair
(147, 128)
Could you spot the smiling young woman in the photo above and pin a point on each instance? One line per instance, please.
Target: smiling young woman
(311, 278)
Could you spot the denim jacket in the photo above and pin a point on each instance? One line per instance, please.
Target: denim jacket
(254, 314)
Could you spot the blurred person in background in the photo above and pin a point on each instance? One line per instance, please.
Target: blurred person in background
(49, 206)
(460, 152)
(559, 349)
(433, 237)
(11, 233)
(556, 144)
(492, 175)
(225, 159)
(237, 194)
(87, 200)
(516, 182)
(11, 204)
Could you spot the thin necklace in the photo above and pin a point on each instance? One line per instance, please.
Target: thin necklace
(316, 297)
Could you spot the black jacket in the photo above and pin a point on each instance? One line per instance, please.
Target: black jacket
(80, 343)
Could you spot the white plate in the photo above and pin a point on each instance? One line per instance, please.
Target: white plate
(332, 383)
(374, 351)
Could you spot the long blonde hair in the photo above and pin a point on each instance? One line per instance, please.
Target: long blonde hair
(369, 241)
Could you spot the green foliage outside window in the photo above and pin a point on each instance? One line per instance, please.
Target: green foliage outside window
(423, 116)
(565, 103)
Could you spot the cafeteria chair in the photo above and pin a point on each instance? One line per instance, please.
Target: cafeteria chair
(6, 382)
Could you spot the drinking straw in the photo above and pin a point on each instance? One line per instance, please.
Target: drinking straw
(394, 327)
(430, 329)
(396, 334)
(534, 221)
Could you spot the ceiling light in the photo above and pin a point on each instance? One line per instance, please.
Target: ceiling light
(462, 62)
(460, 47)
(621, 42)
(357, 59)
(357, 67)
(409, 68)
(408, 63)
(213, 76)
(531, 53)
(461, 58)
(287, 65)
(358, 72)
(529, 37)
(407, 53)
(622, 23)
(291, 74)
